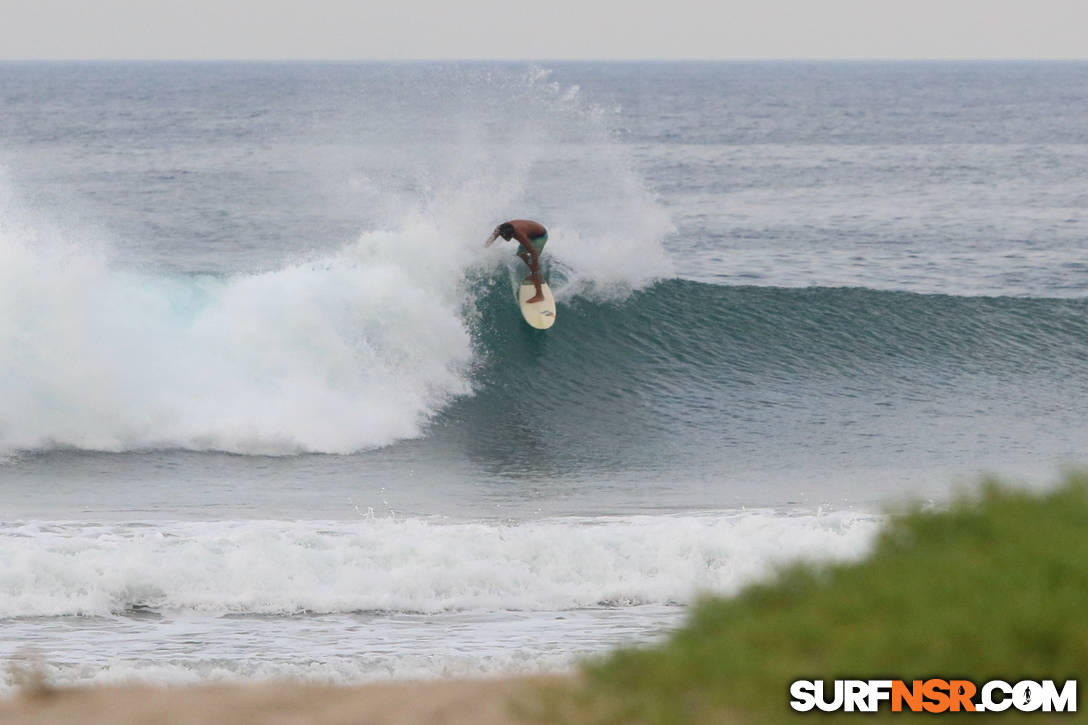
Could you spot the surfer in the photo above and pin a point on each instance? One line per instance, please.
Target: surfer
(532, 237)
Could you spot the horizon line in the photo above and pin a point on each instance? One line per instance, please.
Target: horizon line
(270, 59)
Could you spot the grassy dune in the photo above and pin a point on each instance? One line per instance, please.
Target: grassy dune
(994, 587)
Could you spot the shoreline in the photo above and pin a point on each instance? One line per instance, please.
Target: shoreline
(484, 701)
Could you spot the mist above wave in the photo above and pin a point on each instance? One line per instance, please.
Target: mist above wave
(335, 350)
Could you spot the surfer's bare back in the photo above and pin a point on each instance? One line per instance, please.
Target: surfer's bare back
(532, 237)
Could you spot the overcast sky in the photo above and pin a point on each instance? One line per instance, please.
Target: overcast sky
(549, 29)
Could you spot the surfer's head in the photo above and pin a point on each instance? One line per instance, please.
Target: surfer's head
(506, 230)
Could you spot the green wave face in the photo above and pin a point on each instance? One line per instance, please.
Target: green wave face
(685, 376)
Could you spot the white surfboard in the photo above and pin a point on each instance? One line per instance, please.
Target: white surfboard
(540, 315)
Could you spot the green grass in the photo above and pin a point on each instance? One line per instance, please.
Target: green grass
(995, 586)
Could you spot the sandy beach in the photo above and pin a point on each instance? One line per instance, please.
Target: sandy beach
(447, 702)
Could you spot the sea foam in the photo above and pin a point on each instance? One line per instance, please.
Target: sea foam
(350, 351)
(403, 565)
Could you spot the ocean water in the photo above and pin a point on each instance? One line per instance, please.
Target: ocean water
(267, 407)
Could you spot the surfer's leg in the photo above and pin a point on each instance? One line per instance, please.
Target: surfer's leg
(526, 256)
(539, 242)
(536, 281)
(538, 246)
(531, 258)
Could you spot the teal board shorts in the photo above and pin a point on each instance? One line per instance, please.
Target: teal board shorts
(537, 242)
